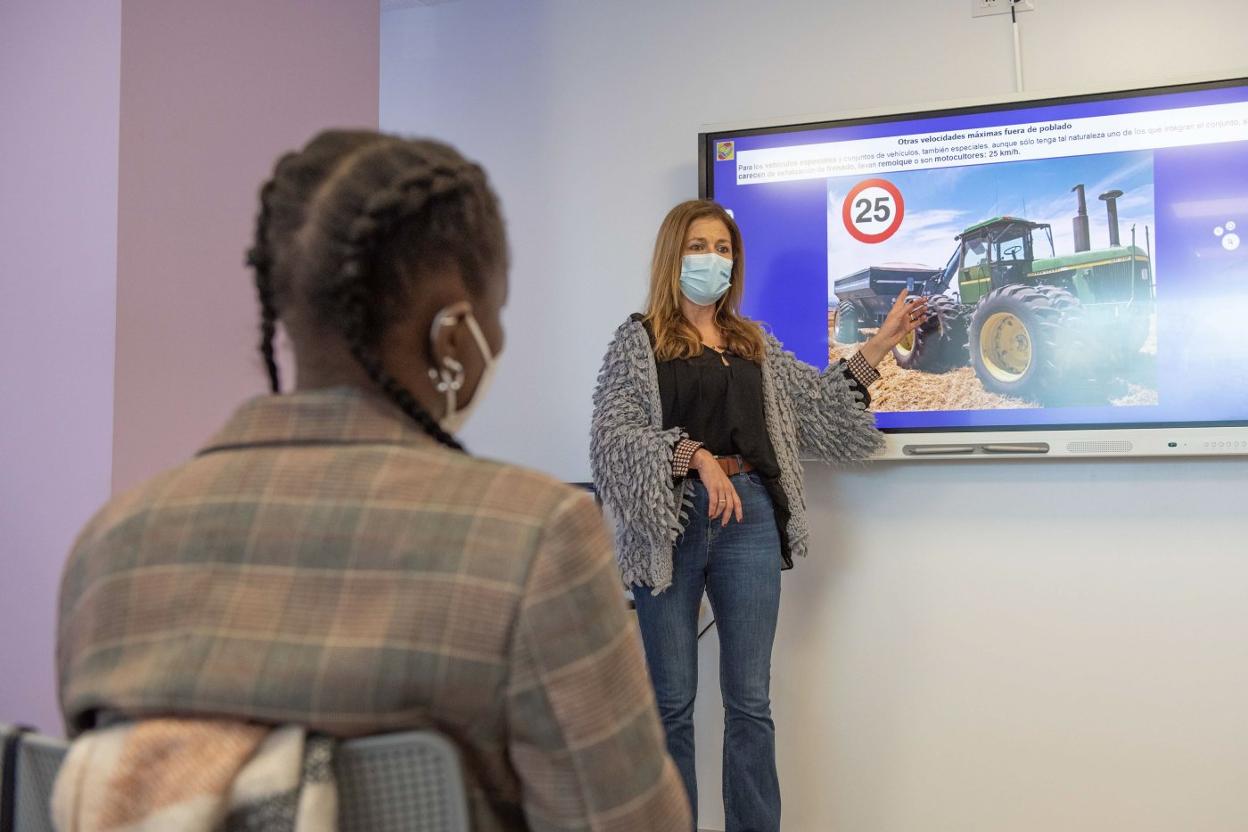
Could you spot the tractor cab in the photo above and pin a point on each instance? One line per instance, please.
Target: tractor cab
(996, 253)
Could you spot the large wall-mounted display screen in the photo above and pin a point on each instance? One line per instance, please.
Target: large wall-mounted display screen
(1082, 258)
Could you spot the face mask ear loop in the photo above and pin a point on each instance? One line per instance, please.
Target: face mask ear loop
(487, 355)
(450, 377)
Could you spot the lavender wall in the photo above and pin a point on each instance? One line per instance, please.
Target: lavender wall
(59, 82)
(135, 136)
(211, 93)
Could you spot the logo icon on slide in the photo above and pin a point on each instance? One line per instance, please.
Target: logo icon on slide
(725, 151)
(873, 210)
(1230, 240)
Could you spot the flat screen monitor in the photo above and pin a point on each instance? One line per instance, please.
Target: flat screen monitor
(1085, 261)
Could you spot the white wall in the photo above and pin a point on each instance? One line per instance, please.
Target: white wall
(60, 66)
(988, 646)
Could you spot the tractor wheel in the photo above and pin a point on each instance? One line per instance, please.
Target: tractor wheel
(1062, 299)
(1015, 339)
(1077, 355)
(847, 323)
(1089, 352)
(939, 345)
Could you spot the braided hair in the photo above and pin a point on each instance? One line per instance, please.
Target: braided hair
(352, 223)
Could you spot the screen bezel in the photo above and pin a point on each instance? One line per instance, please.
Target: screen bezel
(1189, 438)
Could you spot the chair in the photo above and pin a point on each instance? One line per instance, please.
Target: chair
(9, 735)
(38, 760)
(399, 782)
(407, 781)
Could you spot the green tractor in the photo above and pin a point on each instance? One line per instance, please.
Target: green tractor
(1030, 326)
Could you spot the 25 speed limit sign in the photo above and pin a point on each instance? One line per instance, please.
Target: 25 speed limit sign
(872, 210)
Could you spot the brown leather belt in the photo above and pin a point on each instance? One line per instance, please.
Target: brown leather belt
(732, 466)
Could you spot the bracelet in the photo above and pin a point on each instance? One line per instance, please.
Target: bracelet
(862, 371)
(682, 457)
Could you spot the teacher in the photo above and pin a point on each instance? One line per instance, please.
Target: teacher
(700, 420)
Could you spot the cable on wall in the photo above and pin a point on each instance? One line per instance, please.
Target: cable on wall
(1018, 51)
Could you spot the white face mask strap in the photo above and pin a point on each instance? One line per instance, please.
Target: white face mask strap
(449, 378)
(487, 355)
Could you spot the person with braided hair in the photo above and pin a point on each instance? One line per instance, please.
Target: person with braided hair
(334, 559)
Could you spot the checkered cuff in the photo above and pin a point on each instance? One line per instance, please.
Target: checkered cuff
(863, 373)
(683, 455)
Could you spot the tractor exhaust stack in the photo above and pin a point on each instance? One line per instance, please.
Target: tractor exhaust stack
(1111, 210)
(1083, 240)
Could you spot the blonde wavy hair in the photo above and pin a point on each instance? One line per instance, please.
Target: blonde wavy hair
(674, 336)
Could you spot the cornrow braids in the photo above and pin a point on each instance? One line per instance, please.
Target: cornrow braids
(354, 221)
(361, 273)
(258, 258)
(283, 200)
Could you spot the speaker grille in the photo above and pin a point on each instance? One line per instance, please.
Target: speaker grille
(1116, 446)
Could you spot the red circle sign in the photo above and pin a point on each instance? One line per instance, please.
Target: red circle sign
(872, 210)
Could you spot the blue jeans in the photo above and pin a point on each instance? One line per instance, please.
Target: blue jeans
(738, 566)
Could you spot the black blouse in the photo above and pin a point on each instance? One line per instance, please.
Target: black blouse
(718, 400)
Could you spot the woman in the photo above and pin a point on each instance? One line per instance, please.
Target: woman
(332, 559)
(700, 419)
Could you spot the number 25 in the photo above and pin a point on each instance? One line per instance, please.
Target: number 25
(882, 210)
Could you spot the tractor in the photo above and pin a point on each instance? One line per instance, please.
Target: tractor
(1030, 326)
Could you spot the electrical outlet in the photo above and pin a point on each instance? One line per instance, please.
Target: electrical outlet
(983, 8)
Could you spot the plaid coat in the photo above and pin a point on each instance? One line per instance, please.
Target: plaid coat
(323, 562)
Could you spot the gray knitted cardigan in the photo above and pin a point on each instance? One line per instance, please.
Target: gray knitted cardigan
(809, 415)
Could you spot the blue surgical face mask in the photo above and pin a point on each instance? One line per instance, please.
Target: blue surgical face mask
(704, 278)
